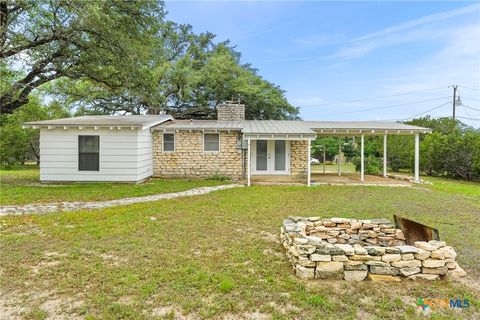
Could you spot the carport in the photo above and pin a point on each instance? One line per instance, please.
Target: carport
(368, 128)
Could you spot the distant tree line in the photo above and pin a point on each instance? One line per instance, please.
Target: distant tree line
(451, 150)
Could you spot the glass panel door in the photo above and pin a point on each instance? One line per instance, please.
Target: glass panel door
(261, 159)
(280, 155)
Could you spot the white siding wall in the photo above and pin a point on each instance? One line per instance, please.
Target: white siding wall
(145, 154)
(125, 155)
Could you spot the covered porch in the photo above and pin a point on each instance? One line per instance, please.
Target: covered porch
(328, 178)
(307, 131)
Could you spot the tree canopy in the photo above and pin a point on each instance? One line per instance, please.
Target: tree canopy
(115, 56)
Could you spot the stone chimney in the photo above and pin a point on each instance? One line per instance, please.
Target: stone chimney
(230, 110)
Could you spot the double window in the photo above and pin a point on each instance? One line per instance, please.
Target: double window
(169, 142)
(88, 153)
(211, 142)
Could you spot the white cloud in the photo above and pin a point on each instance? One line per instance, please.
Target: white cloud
(422, 29)
(420, 22)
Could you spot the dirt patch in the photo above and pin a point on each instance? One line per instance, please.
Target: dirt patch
(112, 259)
(11, 305)
(54, 254)
(61, 308)
(247, 316)
(270, 252)
(470, 281)
(44, 265)
(14, 305)
(270, 237)
(125, 300)
(171, 312)
(285, 308)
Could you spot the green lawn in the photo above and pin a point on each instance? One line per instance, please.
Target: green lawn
(218, 256)
(20, 185)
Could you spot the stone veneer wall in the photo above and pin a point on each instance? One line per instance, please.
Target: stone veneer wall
(189, 159)
(350, 249)
(299, 158)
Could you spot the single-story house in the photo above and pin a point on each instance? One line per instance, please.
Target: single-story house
(131, 148)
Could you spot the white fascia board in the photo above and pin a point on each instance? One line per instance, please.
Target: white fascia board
(286, 136)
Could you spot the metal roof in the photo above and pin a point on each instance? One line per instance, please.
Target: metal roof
(200, 125)
(362, 125)
(293, 127)
(276, 127)
(127, 121)
(248, 127)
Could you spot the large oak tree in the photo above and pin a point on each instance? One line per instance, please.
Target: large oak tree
(118, 56)
(98, 41)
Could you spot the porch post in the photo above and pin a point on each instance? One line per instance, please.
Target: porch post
(385, 156)
(248, 162)
(417, 157)
(339, 159)
(362, 158)
(324, 158)
(309, 160)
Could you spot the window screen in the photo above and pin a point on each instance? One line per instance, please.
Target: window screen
(88, 153)
(211, 142)
(168, 142)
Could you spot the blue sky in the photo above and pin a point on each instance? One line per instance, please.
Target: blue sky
(398, 58)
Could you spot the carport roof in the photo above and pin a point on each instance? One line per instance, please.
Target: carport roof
(364, 127)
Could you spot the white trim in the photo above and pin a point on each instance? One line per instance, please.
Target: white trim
(249, 156)
(271, 162)
(174, 142)
(78, 153)
(417, 157)
(289, 136)
(385, 155)
(203, 142)
(309, 164)
(362, 159)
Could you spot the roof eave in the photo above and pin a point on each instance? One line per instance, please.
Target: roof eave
(369, 131)
(79, 126)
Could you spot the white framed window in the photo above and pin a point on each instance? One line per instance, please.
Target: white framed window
(211, 142)
(168, 142)
(88, 153)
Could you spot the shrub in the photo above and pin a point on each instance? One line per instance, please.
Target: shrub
(373, 165)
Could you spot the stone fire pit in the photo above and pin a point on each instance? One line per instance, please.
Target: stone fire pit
(339, 248)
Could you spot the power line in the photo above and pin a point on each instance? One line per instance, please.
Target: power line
(468, 118)
(372, 98)
(476, 89)
(469, 107)
(463, 97)
(418, 114)
(384, 107)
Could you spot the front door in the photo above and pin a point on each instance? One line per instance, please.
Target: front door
(271, 156)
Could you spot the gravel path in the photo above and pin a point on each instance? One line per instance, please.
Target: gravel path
(73, 206)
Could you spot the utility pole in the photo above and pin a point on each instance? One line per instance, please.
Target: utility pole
(454, 100)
